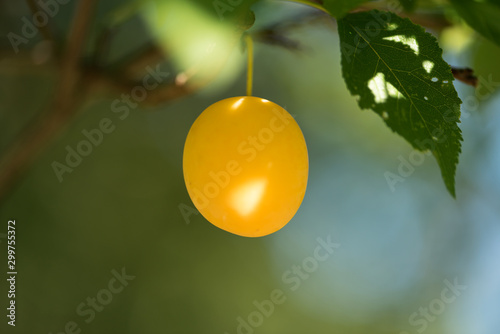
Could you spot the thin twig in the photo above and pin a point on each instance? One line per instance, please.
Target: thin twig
(465, 75)
(44, 29)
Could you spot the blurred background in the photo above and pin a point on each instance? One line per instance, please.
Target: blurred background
(125, 204)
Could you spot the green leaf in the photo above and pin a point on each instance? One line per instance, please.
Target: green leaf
(340, 8)
(483, 16)
(397, 70)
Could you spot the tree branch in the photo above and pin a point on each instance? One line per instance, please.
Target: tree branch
(44, 30)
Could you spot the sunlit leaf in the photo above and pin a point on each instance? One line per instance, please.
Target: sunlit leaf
(396, 69)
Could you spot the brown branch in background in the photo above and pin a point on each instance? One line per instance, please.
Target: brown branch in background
(102, 83)
(466, 75)
(20, 157)
(78, 79)
(153, 54)
(70, 67)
